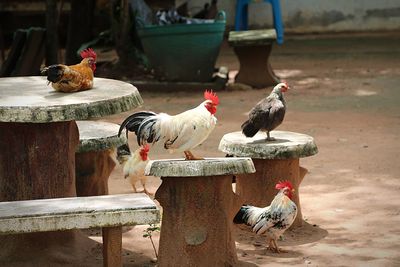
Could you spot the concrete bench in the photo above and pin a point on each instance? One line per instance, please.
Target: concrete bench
(253, 49)
(198, 209)
(60, 214)
(93, 159)
(274, 161)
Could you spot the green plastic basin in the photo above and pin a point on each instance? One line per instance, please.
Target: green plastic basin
(183, 52)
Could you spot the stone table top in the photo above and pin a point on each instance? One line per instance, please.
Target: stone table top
(98, 135)
(206, 167)
(30, 99)
(287, 145)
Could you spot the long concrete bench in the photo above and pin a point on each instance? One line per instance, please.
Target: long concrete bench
(109, 212)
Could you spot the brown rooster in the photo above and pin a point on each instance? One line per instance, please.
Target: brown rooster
(73, 78)
(267, 114)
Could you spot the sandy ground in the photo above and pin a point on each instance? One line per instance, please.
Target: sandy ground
(346, 95)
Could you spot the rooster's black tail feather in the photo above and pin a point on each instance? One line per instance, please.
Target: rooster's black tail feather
(53, 72)
(133, 122)
(242, 215)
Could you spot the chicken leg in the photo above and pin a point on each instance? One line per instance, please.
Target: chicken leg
(134, 188)
(269, 138)
(143, 182)
(190, 156)
(273, 246)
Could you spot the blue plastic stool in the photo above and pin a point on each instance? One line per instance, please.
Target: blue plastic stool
(241, 16)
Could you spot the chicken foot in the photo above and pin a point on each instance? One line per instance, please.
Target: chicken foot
(134, 188)
(190, 156)
(273, 246)
(143, 182)
(269, 138)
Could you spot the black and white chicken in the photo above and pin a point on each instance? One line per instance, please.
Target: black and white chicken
(273, 220)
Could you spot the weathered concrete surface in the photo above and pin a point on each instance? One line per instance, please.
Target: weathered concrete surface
(29, 99)
(288, 145)
(108, 212)
(76, 213)
(98, 135)
(206, 167)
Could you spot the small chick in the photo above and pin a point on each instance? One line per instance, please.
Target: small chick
(134, 165)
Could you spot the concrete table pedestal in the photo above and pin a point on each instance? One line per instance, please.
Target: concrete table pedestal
(274, 161)
(198, 209)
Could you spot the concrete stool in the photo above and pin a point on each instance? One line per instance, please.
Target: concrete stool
(274, 161)
(93, 158)
(198, 209)
(253, 49)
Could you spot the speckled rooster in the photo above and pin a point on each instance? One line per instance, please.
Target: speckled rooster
(273, 220)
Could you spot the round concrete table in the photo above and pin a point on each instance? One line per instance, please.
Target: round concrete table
(274, 161)
(39, 137)
(198, 209)
(94, 161)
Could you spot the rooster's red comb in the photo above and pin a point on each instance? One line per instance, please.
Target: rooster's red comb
(145, 148)
(210, 95)
(284, 184)
(88, 53)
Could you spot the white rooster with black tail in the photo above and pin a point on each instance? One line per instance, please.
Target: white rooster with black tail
(273, 220)
(179, 133)
(267, 114)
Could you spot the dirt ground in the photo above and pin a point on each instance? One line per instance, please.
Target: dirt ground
(346, 95)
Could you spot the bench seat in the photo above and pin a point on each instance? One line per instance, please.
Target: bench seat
(42, 215)
(109, 212)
